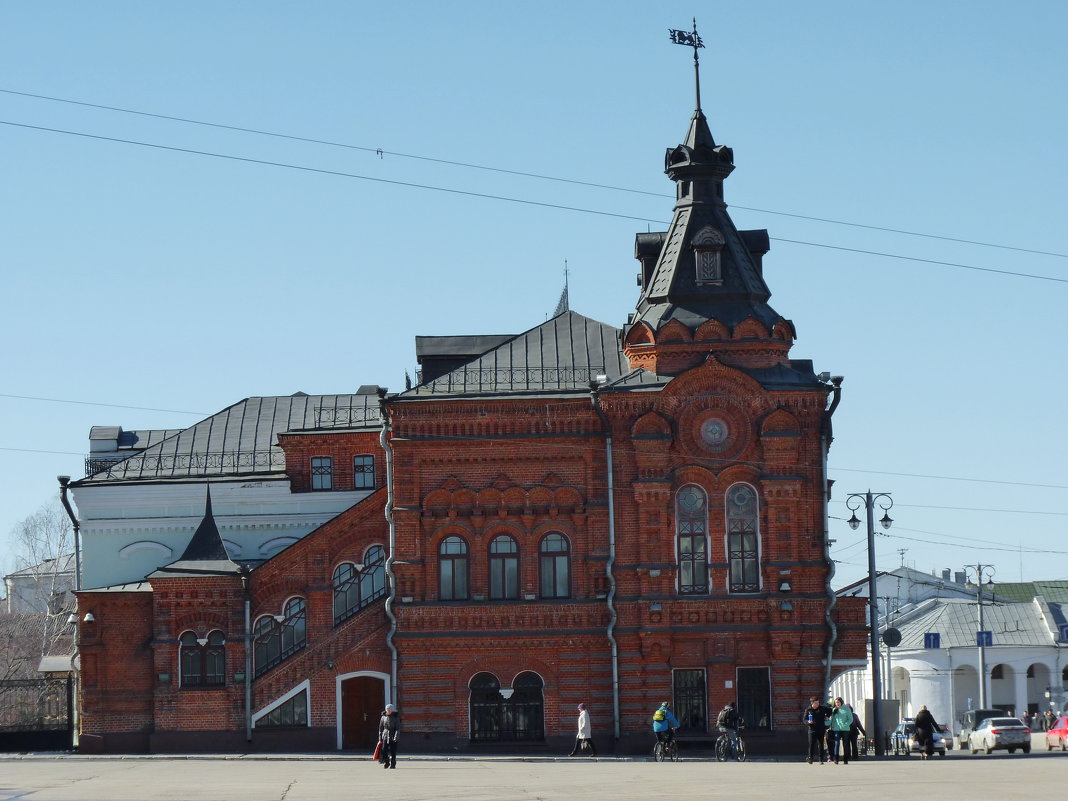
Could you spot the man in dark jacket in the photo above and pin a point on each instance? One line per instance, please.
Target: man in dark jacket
(388, 730)
(814, 717)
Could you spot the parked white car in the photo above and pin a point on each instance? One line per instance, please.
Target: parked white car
(1000, 734)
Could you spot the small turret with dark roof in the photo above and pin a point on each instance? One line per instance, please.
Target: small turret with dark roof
(705, 293)
(205, 554)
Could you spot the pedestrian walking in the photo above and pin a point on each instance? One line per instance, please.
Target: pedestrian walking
(814, 718)
(388, 731)
(841, 721)
(584, 738)
(925, 729)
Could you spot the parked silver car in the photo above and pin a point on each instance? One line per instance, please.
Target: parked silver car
(1000, 734)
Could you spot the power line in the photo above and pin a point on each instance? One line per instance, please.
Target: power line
(486, 196)
(540, 176)
(91, 403)
(973, 509)
(337, 173)
(924, 261)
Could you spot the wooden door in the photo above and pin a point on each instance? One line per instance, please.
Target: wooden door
(362, 701)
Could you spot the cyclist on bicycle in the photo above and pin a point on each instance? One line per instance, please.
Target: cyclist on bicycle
(664, 723)
(730, 722)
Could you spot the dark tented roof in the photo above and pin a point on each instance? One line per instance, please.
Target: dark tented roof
(243, 439)
(561, 355)
(205, 554)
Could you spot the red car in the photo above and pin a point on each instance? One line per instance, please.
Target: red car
(1058, 735)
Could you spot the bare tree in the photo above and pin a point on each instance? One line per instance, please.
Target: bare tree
(39, 592)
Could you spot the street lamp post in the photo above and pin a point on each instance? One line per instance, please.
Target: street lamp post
(980, 572)
(853, 503)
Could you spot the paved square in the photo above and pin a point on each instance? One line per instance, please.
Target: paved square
(334, 778)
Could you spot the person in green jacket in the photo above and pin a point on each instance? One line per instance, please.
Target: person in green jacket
(840, 721)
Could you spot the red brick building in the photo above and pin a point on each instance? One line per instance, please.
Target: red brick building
(578, 513)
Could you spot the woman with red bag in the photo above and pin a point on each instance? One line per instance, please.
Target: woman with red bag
(388, 730)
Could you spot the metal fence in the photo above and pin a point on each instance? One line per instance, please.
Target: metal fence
(36, 714)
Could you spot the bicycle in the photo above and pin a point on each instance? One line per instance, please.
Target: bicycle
(666, 751)
(728, 747)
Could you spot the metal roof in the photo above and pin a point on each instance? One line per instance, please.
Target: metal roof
(562, 355)
(61, 565)
(141, 438)
(1026, 590)
(957, 619)
(243, 439)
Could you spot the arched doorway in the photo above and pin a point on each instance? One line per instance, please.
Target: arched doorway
(1003, 688)
(1039, 678)
(362, 699)
(901, 689)
(965, 691)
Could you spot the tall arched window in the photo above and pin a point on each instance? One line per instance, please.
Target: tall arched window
(354, 589)
(294, 626)
(276, 638)
(452, 576)
(346, 581)
(555, 566)
(691, 527)
(486, 708)
(503, 568)
(266, 644)
(202, 662)
(743, 539)
(373, 575)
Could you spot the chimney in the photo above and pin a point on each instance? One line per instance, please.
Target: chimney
(945, 574)
(959, 577)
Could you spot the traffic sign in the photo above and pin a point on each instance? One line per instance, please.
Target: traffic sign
(1064, 632)
(892, 637)
(932, 639)
(984, 639)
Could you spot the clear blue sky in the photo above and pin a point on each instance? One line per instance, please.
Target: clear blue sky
(150, 278)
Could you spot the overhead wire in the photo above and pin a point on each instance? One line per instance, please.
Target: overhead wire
(504, 198)
(540, 176)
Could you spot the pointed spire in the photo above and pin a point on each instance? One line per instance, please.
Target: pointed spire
(564, 304)
(206, 544)
(205, 554)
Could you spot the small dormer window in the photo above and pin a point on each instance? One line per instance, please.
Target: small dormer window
(707, 249)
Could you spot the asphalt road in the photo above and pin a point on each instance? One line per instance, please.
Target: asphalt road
(999, 776)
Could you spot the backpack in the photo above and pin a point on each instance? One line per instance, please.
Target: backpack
(724, 717)
(660, 715)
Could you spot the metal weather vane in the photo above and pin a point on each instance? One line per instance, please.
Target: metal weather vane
(691, 39)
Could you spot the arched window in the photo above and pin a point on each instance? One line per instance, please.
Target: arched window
(486, 708)
(743, 539)
(452, 578)
(266, 644)
(511, 715)
(691, 534)
(294, 627)
(373, 575)
(555, 566)
(354, 589)
(524, 718)
(503, 568)
(276, 638)
(346, 581)
(202, 662)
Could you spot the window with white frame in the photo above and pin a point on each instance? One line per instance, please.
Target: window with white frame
(322, 473)
(691, 538)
